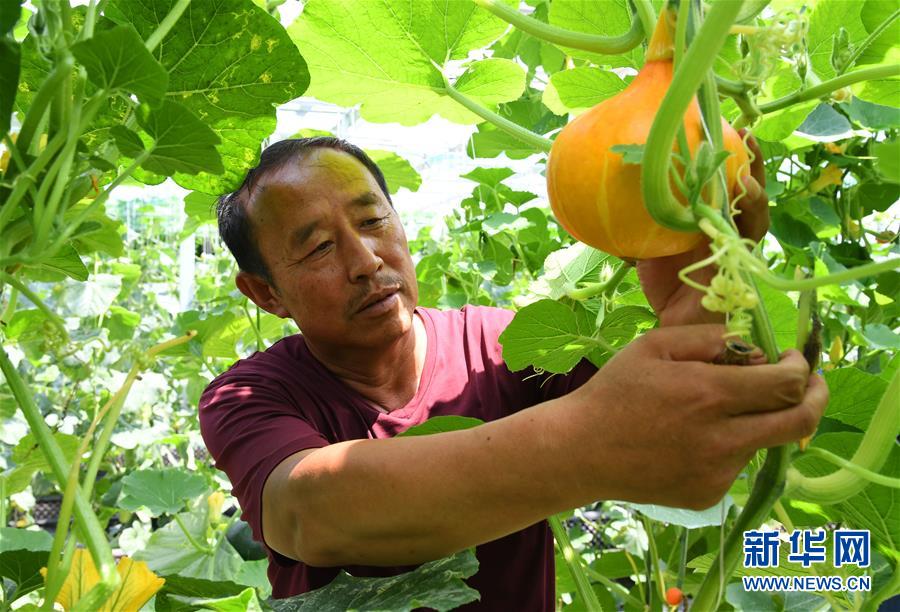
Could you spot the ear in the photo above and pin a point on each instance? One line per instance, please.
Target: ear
(261, 293)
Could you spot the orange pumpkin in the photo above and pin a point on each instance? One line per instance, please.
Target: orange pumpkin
(594, 195)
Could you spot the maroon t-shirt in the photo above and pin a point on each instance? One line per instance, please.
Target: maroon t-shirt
(283, 400)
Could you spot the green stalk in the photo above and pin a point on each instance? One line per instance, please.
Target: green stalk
(114, 408)
(25, 180)
(869, 475)
(41, 101)
(860, 49)
(513, 129)
(585, 590)
(873, 451)
(52, 585)
(94, 536)
(767, 489)
(187, 534)
(654, 558)
(607, 45)
(647, 14)
(836, 278)
(166, 24)
(657, 193)
(614, 586)
(606, 289)
(826, 87)
(72, 226)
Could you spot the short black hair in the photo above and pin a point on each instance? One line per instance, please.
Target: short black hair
(235, 227)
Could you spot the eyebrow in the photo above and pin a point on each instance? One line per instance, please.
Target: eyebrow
(302, 233)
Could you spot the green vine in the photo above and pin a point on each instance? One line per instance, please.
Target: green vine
(607, 45)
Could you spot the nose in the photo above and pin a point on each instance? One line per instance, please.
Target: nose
(361, 257)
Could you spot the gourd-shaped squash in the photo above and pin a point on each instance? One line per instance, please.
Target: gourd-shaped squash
(594, 195)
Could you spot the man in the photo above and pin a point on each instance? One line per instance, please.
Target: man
(305, 429)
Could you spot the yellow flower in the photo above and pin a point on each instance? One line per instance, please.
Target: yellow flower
(137, 584)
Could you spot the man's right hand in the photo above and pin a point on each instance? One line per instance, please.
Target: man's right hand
(657, 424)
(674, 429)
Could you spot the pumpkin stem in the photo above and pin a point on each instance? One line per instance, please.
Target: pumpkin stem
(661, 47)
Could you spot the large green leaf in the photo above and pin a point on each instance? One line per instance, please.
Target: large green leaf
(576, 90)
(181, 141)
(230, 63)
(224, 57)
(436, 585)
(440, 424)
(116, 59)
(549, 335)
(397, 171)
(382, 55)
(22, 555)
(609, 18)
(826, 18)
(240, 148)
(245, 601)
(565, 268)
(885, 48)
(160, 491)
(170, 551)
(854, 395)
(29, 459)
(9, 15)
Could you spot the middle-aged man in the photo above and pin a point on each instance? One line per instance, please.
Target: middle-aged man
(306, 429)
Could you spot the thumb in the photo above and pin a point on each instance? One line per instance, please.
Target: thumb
(687, 342)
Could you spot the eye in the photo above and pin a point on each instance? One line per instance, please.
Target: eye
(321, 248)
(375, 222)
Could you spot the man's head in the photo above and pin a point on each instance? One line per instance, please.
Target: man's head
(317, 239)
(234, 225)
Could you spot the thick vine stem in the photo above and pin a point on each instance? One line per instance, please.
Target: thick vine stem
(585, 590)
(873, 451)
(94, 536)
(513, 129)
(607, 45)
(656, 190)
(767, 489)
(873, 477)
(826, 87)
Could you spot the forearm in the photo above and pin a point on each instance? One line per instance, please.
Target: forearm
(408, 500)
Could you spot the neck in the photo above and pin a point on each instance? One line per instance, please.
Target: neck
(387, 376)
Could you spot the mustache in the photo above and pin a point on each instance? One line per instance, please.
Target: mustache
(388, 280)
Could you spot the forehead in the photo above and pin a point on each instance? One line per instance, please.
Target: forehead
(318, 176)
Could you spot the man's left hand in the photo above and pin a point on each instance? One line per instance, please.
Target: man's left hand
(674, 302)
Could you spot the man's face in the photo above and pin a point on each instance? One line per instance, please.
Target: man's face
(336, 251)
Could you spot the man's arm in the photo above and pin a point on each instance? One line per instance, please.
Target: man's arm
(656, 425)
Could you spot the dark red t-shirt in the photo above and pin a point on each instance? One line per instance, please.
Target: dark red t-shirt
(283, 400)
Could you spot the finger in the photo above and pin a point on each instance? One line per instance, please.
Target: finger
(686, 342)
(749, 389)
(753, 222)
(758, 165)
(772, 429)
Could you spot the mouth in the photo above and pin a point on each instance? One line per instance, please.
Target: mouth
(378, 299)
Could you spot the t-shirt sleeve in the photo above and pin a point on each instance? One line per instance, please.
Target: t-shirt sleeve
(250, 425)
